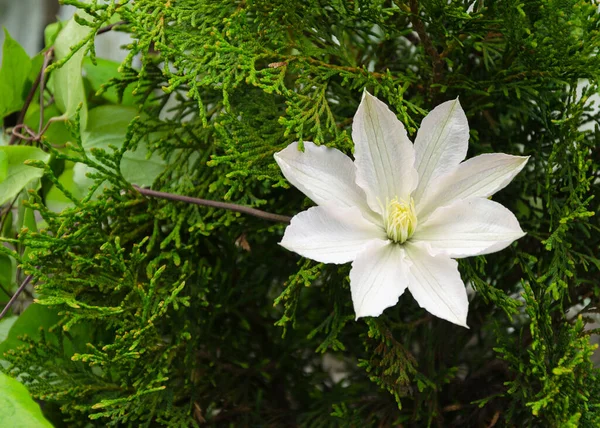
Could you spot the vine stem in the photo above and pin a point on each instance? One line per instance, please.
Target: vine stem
(40, 77)
(278, 218)
(14, 297)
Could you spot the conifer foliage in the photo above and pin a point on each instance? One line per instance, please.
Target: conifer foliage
(146, 311)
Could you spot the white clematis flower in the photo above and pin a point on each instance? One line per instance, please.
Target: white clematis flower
(401, 212)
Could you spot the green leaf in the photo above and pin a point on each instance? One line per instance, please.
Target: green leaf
(51, 32)
(101, 73)
(3, 166)
(107, 126)
(56, 199)
(6, 324)
(18, 174)
(16, 65)
(17, 408)
(36, 66)
(29, 323)
(7, 274)
(57, 133)
(68, 80)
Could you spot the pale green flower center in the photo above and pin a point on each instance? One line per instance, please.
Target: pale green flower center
(400, 219)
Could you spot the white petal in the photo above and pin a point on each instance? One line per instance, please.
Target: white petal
(436, 285)
(330, 235)
(378, 278)
(441, 144)
(481, 176)
(469, 227)
(325, 175)
(384, 155)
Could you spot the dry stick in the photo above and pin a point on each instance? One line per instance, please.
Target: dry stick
(215, 204)
(16, 295)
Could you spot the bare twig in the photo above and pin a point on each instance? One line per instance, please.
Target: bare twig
(109, 27)
(16, 136)
(47, 58)
(35, 136)
(13, 299)
(436, 60)
(215, 204)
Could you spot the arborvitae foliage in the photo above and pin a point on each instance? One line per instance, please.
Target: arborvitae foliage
(181, 315)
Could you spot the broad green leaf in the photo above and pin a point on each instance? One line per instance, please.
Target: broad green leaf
(7, 274)
(100, 74)
(56, 199)
(36, 65)
(6, 324)
(18, 174)
(36, 316)
(27, 218)
(107, 126)
(16, 65)
(3, 166)
(68, 80)
(17, 408)
(57, 133)
(51, 32)
(7, 225)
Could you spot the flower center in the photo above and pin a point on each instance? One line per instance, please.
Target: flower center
(400, 219)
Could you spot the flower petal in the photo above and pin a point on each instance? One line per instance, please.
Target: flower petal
(330, 235)
(481, 176)
(325, 175)
(378, 278)
(436, 285)
(469, 227)
(441, 144)
(384, 155)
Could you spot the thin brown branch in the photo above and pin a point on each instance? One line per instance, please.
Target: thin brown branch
(13, 299)
(47, 59)
(436, 61)
(15, 136)
(109, 27)
(316, 62)
(215, 204)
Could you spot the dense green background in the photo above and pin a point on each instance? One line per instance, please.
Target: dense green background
(164, 313)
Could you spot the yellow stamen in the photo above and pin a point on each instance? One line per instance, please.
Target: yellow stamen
(400, 219)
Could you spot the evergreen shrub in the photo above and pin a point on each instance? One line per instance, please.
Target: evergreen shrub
(147, 311)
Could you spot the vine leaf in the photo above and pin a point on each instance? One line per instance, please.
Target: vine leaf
(68, 80)
(16, 65)
(107, 127)
(17, 408)
(29, 323)
(18, 175)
